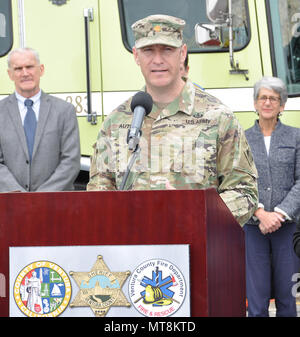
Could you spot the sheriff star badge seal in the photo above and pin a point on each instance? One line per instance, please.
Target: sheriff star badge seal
(100, 288)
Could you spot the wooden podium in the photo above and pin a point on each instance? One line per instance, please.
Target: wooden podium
(195, 217)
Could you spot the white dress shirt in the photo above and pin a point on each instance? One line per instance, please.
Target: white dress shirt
(23, 109)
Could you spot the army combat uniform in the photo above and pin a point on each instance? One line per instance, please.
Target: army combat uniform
(195, 142)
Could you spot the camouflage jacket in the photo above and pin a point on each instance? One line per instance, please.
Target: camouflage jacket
(195, 142)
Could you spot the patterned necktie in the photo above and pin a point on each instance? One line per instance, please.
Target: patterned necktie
(29, 126)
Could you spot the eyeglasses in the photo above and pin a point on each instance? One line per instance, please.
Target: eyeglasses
(272, 99)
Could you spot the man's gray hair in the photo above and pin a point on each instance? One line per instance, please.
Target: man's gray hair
(22, 51)
(272, 83)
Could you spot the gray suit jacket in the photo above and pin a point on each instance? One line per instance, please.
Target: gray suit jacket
(56, 154)
(278, 173)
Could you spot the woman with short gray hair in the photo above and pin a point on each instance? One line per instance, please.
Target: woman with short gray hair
(270, 258)
(271, 83)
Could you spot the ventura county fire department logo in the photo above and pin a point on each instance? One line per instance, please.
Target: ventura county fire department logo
(157, 288)
(42, 289)
(100, 288)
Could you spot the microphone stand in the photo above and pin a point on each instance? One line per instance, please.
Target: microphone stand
(132, 159)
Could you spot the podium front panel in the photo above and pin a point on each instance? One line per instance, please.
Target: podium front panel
(134, 218)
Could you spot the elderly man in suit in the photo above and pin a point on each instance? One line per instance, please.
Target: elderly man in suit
(270, 259)
(39, 138)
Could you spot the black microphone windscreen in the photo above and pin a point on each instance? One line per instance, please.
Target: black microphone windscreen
(143, 99)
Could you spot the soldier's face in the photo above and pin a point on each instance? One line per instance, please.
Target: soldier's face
(25, 71)
(160, 64)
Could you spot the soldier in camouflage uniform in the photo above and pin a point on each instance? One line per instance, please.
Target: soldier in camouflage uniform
(190, 140)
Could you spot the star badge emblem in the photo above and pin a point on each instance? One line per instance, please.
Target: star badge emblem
(100, 288)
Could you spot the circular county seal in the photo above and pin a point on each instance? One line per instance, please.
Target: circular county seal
(42, 289)
(157, 288)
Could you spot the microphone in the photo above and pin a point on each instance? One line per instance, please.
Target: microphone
(141, 105)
